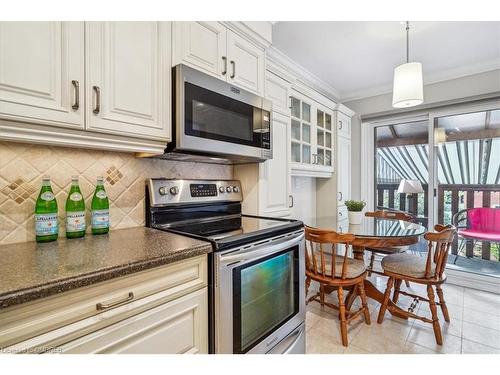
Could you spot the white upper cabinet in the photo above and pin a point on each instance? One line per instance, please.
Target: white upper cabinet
(202, 45)
(343, 125)
(343, 170)
(214, 49)
(275, 173)
(246, 63)
(129, 79)
(278, 91)
(42, 72)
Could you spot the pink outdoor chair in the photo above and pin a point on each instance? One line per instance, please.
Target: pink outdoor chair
(479, 224)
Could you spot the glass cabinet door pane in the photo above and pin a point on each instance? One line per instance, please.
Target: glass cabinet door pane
(306, 133)
(306, 154)
(320, 118)
(295, 107)
(328, 139)
(328, 157)
(296, 152)
(306, 112)
(321, 137)
(321, 156)
(296, 130)
(328, 121)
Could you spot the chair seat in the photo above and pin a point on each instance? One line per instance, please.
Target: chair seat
(406, 264)
(355, 267)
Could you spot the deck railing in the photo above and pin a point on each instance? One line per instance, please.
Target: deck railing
(450, 200)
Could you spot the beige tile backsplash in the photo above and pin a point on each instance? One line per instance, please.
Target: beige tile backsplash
(22, 167)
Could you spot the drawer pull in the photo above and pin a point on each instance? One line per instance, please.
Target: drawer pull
(97, 106)
(103, 306)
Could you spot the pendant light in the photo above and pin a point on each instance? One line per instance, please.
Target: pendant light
(408, 90)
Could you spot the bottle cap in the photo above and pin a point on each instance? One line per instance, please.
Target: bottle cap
(45, 177)
(100, 178)
(74, 178)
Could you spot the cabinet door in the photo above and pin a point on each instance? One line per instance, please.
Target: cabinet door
(343, 170)
(275, 173)
(278, 91)
(202, 45)
(42, 72)
(129, 79)
(343, 125)
(180, 326)
(245, 63)
(324, 137)
(302, 131)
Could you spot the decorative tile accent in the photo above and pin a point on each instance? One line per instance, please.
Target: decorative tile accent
(22, 167)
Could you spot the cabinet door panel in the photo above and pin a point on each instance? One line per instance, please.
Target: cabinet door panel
(246, 63)
(343, 169)
(180, 326)
(275, 173)
(343, 125)
(202, 44)
(128, 65)
(38, 62)
(278, 91)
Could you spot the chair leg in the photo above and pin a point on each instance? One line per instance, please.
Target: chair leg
(444, 308)
(343, 320)
(387, 296)
(364, 303)
(435, 319)
(322, 294)
(370, 267)
(397, 286)
(407, 283)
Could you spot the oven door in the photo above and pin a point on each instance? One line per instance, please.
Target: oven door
(213, 116)
(259, 295)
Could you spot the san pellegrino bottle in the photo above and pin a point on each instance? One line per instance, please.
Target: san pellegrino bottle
(46, 222)
(100, 209)
(75, 211)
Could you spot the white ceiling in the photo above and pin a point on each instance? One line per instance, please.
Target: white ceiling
(358, 58)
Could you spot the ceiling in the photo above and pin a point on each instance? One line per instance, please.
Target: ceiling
(358, 58)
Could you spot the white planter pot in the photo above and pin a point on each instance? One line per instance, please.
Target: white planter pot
(355, 217)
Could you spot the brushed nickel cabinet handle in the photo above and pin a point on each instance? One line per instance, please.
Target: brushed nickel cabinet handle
(290, 196)
(104, 306)
(290, 101)
(224, 60)
(97, 92)
(340, 196)
(234, 69)
(76, 86)
(340, 124)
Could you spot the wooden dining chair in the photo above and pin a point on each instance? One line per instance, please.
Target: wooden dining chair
(334, 271)
(384, 214)
(427, 271)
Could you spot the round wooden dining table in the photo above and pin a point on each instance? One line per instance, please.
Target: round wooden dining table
(373, 233)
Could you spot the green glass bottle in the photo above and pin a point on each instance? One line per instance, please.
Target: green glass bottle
(75, 211)
(100, 209)
(46, 222)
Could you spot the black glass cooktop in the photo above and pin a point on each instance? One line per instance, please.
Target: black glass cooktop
(234, 230)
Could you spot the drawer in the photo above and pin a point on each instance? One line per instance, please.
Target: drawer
(343, 226)
(19, 323)
(342, 213)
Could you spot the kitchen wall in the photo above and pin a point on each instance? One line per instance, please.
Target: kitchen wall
(22, 167)
(304, 197)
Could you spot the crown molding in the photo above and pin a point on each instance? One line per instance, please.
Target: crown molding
(429, 79)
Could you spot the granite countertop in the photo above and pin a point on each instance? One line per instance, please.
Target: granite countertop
(34, 270)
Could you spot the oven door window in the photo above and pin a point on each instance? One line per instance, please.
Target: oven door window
(214, 116)
(265, 296)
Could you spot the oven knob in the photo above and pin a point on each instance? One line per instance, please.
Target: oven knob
(228, 189)
(236, 189)
(222, 190)
(163, 190)
(174, 190)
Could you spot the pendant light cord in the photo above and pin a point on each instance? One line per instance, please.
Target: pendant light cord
(407, 41)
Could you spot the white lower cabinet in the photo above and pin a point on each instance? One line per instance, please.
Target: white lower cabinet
(161, 310)
(176, 327)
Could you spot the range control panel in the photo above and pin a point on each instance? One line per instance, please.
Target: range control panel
(164, 191)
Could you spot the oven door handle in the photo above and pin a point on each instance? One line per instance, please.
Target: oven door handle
(260, 250)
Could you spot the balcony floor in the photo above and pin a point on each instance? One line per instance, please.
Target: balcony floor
(474, 265)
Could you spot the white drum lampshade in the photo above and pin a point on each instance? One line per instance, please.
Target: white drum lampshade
(408, 90)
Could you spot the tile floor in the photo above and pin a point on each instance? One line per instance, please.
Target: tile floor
(474, 326)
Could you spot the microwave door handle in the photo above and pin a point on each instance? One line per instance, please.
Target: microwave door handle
(260, 251)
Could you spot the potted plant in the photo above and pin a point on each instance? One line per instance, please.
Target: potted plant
(355, 209)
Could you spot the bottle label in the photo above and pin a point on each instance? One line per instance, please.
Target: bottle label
(101, 194)
(75, 197)
(46, 224)
(47, 196)
(75, 221)
(100, 219)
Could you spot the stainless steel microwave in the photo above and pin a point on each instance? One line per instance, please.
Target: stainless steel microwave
(215, 121)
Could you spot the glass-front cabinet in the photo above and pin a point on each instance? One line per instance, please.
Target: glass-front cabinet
(312, 136)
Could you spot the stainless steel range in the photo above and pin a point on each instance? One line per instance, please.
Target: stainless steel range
(257, 274)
